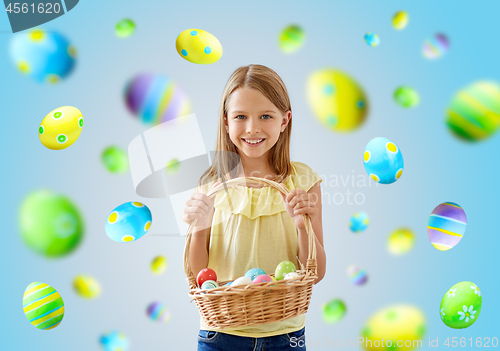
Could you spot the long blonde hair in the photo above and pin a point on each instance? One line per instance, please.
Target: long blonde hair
(226, 158)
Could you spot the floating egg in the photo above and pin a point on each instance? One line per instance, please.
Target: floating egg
(209, 284)
(397, 323)
(400, 20)
(406, 97)
(43, 306)
(198, 46)
(86, 286)
(291, 39)
(158, 312)
(254, 272)
(372, 39)
(359, 222)
(446, 225)
(159, 264)
(401, 241)
(474, 112)
(61, 127)
(125, 28)
(173, 166)
(155, 99)
(204, 275)
(461, 305)
(50, 224)
(128, 222)
(337, 101)
(115, 159)
(263, 278)
(436, 46)
(334, 310)
(242, 281)
(383, 161)
(357, 275)
(45, 56)
(283, 269)
(114, 341)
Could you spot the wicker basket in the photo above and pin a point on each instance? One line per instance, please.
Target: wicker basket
(253, 304)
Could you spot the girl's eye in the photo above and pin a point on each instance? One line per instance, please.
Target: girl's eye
(238, 117)
(267, 116)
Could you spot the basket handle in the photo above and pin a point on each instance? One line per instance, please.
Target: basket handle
(311, 257)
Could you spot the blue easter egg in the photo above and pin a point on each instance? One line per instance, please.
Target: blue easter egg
(254, 272)
(128, 222)
(44, 56)
(359, 221)
(383, 161)
(114, 341)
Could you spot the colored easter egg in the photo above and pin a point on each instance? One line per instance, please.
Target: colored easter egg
(61, 127)
(372, 39)
(406, 97)
(114, 341)
(86, 286)
(228, 284)
(283, 269)
(474, 112)
(173, 166)
(159, 264)
(291, 275)
(400, 241)
(359, 222)
(291, 39)
(400, 20)
(263, 278)
(43, 306)
(50, 224)
(461, 305)
(44, 56)
(383, 161)
(254, 272)
(125, 28)
(198, 46)
(333, 311)
(115, 159)
(128, 222)
(400, 327)
(436, 46)
(158, 312)
(337, 101)
(242, 281)
(357, 275)
(155, 99)
(209, 284)
(446, 225)
(204, 275)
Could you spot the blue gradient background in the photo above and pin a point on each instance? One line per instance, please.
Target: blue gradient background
(438, 167)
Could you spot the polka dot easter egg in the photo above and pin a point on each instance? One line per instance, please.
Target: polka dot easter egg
(383, 161)
(357, 275)
(254, 272)
(263, 278)
(114, 341)
(397, 323)
(474, 112)
(446, 225)
(128, 222)
(43, 306)
(359, 222)
(291, 275)
(86, 286)
(372, 39)
(204, 275)
(334, 310)
(61, 127)
(158, 312)
(283, 269)
(461, 305)
(198, 46)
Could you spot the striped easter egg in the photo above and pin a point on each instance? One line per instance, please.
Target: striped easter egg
(43, 306)
(446, 225)
(357, 275)
(474, 112)
(158, 312)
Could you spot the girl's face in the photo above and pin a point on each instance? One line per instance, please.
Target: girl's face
(253, 117)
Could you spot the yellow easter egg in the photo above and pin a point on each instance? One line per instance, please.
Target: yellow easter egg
(159, 264)
(61, 127)
(336, 100)
(198, 46)
(86, 286)
(400, 20)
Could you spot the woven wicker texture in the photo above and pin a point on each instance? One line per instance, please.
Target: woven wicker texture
(261, 303)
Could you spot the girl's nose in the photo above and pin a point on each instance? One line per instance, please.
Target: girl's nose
(253, 127)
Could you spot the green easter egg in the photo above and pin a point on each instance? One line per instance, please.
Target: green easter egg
(461, 305)
(334, 310)
(125, 28)
(406, 97)
(283, 269)
(115, 159)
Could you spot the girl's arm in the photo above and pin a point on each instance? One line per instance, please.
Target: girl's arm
(198, 249)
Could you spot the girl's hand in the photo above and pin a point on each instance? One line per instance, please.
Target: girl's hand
(297, 203)
(199, 206)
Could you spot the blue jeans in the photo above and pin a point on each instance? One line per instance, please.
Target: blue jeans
(218, 341)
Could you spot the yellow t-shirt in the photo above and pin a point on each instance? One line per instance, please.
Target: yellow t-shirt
(253, 230)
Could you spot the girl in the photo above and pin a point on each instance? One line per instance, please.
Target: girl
(253, 226)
